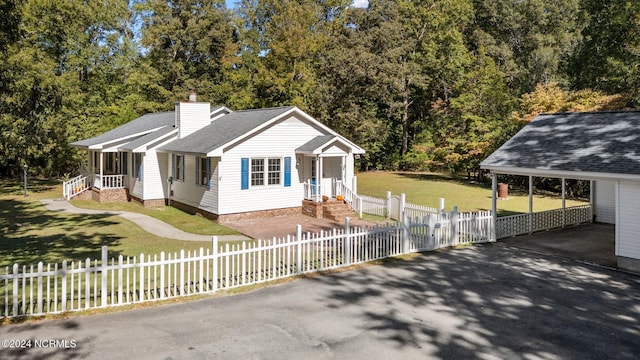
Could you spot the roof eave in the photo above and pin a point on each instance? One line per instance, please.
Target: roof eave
(580, 175)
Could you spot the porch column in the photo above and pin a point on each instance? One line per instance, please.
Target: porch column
(318, 178)
(321, 175)
(494, 202)
(101, 168)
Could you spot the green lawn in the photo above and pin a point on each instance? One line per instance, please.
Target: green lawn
(29, 233)
(427, 189)
(179, 219)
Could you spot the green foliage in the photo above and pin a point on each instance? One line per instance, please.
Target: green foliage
(420, 84)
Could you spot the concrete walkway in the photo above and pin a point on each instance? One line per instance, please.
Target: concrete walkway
(149, 224)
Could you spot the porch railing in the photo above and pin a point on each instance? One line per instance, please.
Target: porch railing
(109, 181)
(508, 226)
(310, 191)
(349, 196)
(75, 186)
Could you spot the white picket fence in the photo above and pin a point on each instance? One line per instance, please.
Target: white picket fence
(394, 206)
(80, 285)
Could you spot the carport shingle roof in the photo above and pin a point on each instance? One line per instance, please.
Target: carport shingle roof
(599, 142)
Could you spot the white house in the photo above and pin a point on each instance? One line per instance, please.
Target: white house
(603, 147)
(218, 162)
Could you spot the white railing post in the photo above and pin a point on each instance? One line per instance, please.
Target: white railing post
(299, 249)
(387, 206)
(15, 289)
(454, 219)
(404, 240)
(104, 274)
(347, 241)
(441, 205)
(214, 275)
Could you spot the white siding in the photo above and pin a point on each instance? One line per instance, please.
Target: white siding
(628, 224)
(136, 186)
(190, 193)
(152, 176)
(192, 117)
(605, 201)
(280, 141)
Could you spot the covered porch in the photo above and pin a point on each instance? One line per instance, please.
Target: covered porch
(325, 165)
(106, 170)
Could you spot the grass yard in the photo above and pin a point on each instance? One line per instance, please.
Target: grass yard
(29, 233)
(427, 189)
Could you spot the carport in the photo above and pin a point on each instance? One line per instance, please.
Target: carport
(592, 243)
(603, 148)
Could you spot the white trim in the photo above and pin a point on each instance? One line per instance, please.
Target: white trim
(579, 175)
(149, 144)
(219, 151)
(101, 145)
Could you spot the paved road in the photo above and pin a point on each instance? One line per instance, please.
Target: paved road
(481, 302)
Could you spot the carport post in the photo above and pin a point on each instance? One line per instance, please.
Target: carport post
(530, 204)
(564, 219)
(494, 203)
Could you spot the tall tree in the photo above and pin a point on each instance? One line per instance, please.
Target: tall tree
(608, 57)
(186, 41)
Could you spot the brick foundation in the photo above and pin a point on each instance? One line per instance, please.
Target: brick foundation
(259, 214)
(111, 195)
(148, 203)
(312, 208)
(85, 195)
(194, 210)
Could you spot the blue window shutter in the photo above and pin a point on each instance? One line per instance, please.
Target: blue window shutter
(208, 160)
(287, 171)
(140, 168)
(245, 174)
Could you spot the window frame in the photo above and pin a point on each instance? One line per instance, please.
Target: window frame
(178, 167)
(203, 168)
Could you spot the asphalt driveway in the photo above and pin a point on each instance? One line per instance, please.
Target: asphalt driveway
(480, 302)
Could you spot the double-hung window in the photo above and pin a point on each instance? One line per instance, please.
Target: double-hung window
(257, 172)
(203, 171)
(265, 172)
(178, 167)
(273, 172)
(136, 166)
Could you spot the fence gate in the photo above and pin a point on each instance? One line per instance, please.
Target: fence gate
(395, 211)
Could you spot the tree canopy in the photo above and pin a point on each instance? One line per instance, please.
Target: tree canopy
(420, 84)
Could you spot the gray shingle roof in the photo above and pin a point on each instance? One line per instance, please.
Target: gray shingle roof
(141, 125)
(314, 143)
(147, 138)
(602, 142)
(223, 130)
